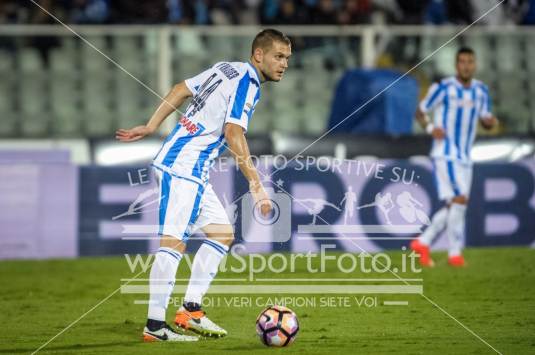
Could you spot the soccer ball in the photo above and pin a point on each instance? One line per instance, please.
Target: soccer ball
(277, 326)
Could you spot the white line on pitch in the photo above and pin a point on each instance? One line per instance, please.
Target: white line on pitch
(335, 279)
(396, 303)
(141, 301)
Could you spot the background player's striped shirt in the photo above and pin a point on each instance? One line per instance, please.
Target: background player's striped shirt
(457, 110)
(226, 93)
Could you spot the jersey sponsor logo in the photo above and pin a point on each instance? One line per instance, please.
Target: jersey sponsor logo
(191, 127)
(228, 70)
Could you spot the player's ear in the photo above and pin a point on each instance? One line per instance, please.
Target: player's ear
(258, 54)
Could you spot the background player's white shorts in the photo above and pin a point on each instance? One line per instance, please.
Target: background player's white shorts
(452, 178)
(186, 206)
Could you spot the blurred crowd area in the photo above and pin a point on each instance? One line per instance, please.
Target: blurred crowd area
(268, 12)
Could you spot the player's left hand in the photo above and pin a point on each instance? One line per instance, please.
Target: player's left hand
(132, 134)
(489, 122)
(261, 199)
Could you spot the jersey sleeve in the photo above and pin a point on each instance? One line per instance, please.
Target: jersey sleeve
(434, 96)
(486, 105)
(242, 102)
(195, 82)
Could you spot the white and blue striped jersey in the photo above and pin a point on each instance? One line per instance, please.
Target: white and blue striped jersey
(226, 93)
(456, 109)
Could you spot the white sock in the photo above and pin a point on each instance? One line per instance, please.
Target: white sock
(205, 266)
(438, 223)
(162, 281)
(455, 228)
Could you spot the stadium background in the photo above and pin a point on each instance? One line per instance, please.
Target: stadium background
(62, 100)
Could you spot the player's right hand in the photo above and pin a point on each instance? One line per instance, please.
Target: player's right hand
(261, 198)
(489, 122)
(132, 134)
(438, 133)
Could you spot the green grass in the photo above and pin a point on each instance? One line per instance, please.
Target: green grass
(494, 297)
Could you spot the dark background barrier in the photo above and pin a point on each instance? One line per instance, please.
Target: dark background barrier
(501, 209)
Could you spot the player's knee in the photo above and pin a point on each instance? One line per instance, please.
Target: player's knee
(168, 241)
(226, 239)
(223, 238)
(223, 233)
(461, 199)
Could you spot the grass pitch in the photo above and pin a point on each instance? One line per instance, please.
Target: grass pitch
(494, 297)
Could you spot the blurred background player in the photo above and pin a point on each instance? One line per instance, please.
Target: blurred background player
(224, 99)
(458, 103)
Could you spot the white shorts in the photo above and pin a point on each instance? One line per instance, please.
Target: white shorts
(186, 206)
(452, 178)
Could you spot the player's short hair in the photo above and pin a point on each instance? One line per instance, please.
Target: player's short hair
(267, 37)
(464, 50)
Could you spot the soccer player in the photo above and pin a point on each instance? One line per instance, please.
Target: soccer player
(223, 101)
(458, 102)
